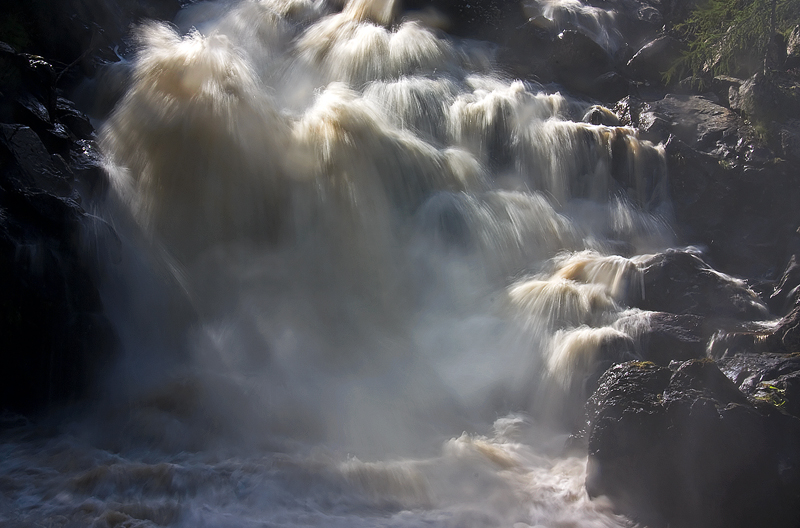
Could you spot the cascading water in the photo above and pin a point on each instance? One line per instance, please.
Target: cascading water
(399, 265)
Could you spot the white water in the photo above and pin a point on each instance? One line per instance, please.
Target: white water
(401, 264)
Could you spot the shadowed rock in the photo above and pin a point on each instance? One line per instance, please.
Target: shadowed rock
(685, 447)
(680, 282)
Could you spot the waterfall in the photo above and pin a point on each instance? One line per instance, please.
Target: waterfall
(391, 253)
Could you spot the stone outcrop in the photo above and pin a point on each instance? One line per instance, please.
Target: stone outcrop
(55, 333)
(683, 446)
(680, 282)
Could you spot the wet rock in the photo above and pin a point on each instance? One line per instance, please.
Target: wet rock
(742, 213)
(786, 292)
(685, 447)
(772, 378)
(680, 282)
(793, 48)
(482, 19)
(655, 58)
(600, 115)
(76, 34)
(609, 87)
(665, 337)
(578, 61)
(790, 140)
(785, 336)
(56, 338)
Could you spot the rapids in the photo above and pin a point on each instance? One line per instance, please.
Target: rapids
(364, 278)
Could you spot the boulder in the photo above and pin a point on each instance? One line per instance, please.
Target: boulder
(680, 282)
(663, 337)
(723, 86)
(699, 122)
(577, 61)
(763, 98)
(480, 19)
(56, 337)
(655, 58)
(740, 209)
(773, 378)
(76, 34)
(684, 447)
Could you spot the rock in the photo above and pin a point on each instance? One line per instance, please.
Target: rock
(663, 337)
(700, 123)
(56, 338)
(793, 48)
(768, 97)
(723, 86)
(655, 58)
(785, 336)
(480, 19)
(786, 293)
(790, 139)
(600, 115)
(578, 61)
(27, 162)
(609, 87)
(76, 34)
(773, 378)
(526, 49)
(680, 282)
(685, 447)
(741, 210)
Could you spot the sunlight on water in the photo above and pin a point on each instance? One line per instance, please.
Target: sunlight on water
(384, 245)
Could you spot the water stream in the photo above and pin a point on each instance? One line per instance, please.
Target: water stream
(395, 269)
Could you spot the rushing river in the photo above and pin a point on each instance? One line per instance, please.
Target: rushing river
(364, 279)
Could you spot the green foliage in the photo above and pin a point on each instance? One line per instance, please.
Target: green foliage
(731, 36)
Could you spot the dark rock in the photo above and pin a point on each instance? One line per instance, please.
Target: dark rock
(26, 161)
(723, 86)
(600, 115)
(526, 48)
(726, 344)
(665, 337)
(786, 293)
(578, 61)
(481, 19)
(687, 448)
(790, 140)
(609, 87)
(785, 336)
(75, 120)
(744, 215)
(768, 97)
(773, 378)
(56, 337)
(655, 58)
(699, 122)
(75, 34)
(680, 282)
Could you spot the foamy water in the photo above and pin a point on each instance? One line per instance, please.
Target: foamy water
(395, 264)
